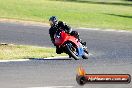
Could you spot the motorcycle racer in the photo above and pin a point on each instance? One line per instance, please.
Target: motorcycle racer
(59, 25)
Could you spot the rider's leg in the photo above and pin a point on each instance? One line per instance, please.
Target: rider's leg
(76, 34)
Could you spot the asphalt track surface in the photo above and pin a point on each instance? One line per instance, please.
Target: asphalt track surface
(111, 53)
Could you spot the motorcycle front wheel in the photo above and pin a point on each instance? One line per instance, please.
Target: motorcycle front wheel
(86, 54)
(72, 51)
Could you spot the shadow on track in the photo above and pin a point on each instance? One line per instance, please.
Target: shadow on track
(50, 59)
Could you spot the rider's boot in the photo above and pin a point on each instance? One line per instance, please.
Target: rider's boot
(83, 43)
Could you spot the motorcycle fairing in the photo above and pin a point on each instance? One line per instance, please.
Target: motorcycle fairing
(62, 37)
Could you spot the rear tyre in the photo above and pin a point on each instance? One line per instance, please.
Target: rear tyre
(70, 52)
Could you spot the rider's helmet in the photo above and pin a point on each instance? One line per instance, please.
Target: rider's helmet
(61, 25)
(53, 20)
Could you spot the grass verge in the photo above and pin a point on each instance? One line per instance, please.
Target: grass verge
(112, 14)
(25, 52)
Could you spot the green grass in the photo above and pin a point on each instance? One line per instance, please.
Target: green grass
(25, 52)
(112, 14)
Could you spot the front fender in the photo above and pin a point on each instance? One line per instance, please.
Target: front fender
(80, 51)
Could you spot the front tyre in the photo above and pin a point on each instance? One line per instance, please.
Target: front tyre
(86, 54)
(71, 52)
